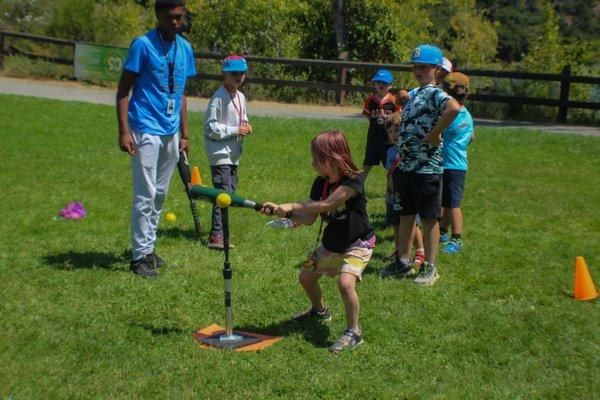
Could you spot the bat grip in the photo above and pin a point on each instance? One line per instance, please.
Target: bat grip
(257, 206)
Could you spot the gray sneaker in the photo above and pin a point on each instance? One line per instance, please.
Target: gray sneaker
(143, 267)
(313, 315)
(397, 270)
(347, 341)
(427, 275)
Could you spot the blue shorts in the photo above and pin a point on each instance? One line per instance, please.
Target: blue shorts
(453, 187)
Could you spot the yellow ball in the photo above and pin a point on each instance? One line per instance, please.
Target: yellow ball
(170, 217)
(223, 200)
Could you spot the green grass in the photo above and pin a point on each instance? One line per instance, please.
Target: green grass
(75, 323)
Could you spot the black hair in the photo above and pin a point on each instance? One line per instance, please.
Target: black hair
(167, 4)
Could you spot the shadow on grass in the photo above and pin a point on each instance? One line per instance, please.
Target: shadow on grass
(313, 332)
(88, 259)
(189, 234)
(161, 330)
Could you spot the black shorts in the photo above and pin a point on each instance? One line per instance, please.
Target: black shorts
(453, 188)
(419, 194)
(376, 154)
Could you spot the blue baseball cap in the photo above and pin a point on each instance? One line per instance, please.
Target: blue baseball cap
(383, 75)
(427, 54)
(234, 63)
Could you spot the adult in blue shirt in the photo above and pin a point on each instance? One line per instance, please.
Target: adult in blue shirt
(153, 125)
(456, 139)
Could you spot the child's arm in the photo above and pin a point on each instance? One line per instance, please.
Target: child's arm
(450, 112)
(213, 128)
(297, 217)
(366, 112)
(314, 208)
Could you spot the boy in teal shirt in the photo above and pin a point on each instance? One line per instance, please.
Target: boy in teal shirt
(456, 139)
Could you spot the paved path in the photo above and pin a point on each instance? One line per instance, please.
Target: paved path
(73, 91)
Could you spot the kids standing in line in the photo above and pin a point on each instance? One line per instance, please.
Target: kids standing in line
(425, 116)
(392, 199)
(456, 139)
(377, 107)
(225, 126)
(338, 195)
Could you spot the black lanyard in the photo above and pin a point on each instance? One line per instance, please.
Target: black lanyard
(170, 63)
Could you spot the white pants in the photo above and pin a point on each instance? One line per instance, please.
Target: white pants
(151, 169)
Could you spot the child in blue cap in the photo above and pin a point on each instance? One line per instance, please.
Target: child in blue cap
(225, 126)
(377, 107)
(425, 116)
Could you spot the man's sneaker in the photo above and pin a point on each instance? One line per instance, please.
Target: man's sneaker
(452, 247)
(444, 238)
(217, 242)
(397, 270)
(418, 259)
(427, 275)
(143, 267)
(313, 315)
(347, 341)
(156, 260)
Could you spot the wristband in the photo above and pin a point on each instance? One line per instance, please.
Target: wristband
(288, 214)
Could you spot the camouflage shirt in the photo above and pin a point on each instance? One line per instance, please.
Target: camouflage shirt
(420, 115)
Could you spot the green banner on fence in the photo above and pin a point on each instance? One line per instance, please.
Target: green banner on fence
(99, 62)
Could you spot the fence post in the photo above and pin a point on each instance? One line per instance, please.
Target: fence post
(74, 44)
(1, 50)
(340, 95)
(564, 94)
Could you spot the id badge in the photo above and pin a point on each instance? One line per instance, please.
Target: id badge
(171, 106)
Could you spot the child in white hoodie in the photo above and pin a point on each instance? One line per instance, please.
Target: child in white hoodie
(225, 126)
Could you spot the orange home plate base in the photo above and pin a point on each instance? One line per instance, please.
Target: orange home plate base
(214, 329)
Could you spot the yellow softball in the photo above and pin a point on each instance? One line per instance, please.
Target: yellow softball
(170, 217)
(223, 200)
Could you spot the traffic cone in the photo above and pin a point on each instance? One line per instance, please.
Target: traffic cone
(584, 285)
(196, 178)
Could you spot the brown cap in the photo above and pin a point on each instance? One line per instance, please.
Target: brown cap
(457, 77)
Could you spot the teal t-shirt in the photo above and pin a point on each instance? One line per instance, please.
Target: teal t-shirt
(421, 113)
(456, 138)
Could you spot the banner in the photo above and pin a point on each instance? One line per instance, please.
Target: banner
(102, 63)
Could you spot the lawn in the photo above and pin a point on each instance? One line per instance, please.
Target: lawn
(500, 323)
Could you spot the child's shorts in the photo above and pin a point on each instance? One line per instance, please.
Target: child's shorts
(392, 214)
(453, 187)
(376, 154)
(419, 194)
(353, 261)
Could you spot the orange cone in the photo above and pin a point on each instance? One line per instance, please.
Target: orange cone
(196, 178)
(584, 285)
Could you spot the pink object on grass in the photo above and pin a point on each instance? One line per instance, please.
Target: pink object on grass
(73, 210)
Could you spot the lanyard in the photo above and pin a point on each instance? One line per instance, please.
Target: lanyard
(170, 63)
(237, 110)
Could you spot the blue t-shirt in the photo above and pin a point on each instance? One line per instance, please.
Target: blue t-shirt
(392, 153)
(148, 103)
(456, 139)
(421, 113)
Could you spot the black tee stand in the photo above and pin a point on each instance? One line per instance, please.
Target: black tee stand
(229, 339)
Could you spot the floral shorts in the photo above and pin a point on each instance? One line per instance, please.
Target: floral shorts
(353, 261)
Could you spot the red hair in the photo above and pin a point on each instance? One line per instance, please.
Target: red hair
(330, 149)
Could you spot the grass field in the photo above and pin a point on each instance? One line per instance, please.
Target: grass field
(500, 323)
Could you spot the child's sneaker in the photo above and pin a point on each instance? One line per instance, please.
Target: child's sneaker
(427, 275)
(397, 270)
(313, 315)
(452, 247)
(418, 259)
(394, 256)
(348, 340)
(217, 242)
(444, 238)
(143, 267)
